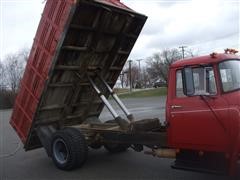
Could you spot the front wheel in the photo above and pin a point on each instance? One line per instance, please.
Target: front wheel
(69, 149)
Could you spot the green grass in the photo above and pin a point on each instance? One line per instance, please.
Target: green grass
(121, 90)
(145, 93)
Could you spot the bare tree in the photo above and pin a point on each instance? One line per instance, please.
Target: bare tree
(23, 54)
(158, 65)
(134, 74)
(5, 100)
(191, 52)
(146, 80)
(11, 71)
(14, 66)
(2, 84)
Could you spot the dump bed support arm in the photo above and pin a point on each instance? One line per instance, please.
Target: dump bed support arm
(121, 122)
(103, 98)
(118, 101)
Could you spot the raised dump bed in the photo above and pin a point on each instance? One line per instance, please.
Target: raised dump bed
(75, 39)
(78, 53)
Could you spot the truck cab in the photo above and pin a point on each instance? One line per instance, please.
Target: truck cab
(203, 107)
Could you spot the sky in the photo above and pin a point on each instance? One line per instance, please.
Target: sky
(203, 26)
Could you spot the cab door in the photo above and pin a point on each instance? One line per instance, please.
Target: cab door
(194, 122)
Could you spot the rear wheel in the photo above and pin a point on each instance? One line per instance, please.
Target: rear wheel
(95, 145)
(115, 147)
(69, 149)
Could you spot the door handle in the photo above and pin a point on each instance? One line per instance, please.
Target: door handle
(176, 106)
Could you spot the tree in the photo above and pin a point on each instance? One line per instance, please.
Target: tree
(158, 64)
(4, 94)
(145, 80)
(15, 65)
(23, 54)
(2, 83)
(11, 71)
(134, 74)
(14, 69)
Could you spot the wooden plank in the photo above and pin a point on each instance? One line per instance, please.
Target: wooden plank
(79, 27)
(64, 67)
(92, 29)
(115, 68)
(123, 52)
(78, 68)
(85, 103)
(80, 115)
(74, 48)
(63, 85)
(51, 107)
(133, 36)
(55, 85)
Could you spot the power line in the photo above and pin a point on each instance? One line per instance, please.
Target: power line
(130, 74)
(183, 50)
(139, 67)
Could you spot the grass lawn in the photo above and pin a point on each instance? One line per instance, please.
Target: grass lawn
(145, 93)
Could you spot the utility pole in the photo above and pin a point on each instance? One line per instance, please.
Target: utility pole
(121, 78)
(139, 69)
(130, 74)
(183, 50)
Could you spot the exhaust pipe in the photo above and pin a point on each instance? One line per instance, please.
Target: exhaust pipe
(163, 153)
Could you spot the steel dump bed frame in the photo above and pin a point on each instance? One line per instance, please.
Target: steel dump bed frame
(91, 37)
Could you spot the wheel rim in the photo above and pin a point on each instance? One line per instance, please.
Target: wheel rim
(60, 151)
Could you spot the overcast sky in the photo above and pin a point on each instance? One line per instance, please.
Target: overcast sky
(202, 25)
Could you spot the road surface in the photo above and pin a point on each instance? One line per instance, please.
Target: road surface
(16, 164)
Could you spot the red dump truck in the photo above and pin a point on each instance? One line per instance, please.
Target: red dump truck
(78, 53)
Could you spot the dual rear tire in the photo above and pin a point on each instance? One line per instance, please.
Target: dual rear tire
(69, 149)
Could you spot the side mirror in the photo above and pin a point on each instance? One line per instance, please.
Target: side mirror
(188, 81)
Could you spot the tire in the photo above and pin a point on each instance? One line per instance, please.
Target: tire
(69, 149)
(95, 146)
(114, 147)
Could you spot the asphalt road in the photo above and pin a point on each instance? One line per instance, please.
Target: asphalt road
(16, 164)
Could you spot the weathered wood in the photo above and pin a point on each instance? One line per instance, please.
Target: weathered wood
(80, 116)
(117, 135)
(84, 103)
(74, 48)
(51, 107)
(93, 40)
(133, 36)
(55, 85)
(79, 27)
(123, 52)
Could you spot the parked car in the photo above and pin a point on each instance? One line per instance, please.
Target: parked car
(159, 83)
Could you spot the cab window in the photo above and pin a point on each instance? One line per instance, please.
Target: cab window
(230, 75)
(204, 82)
(179, 84)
